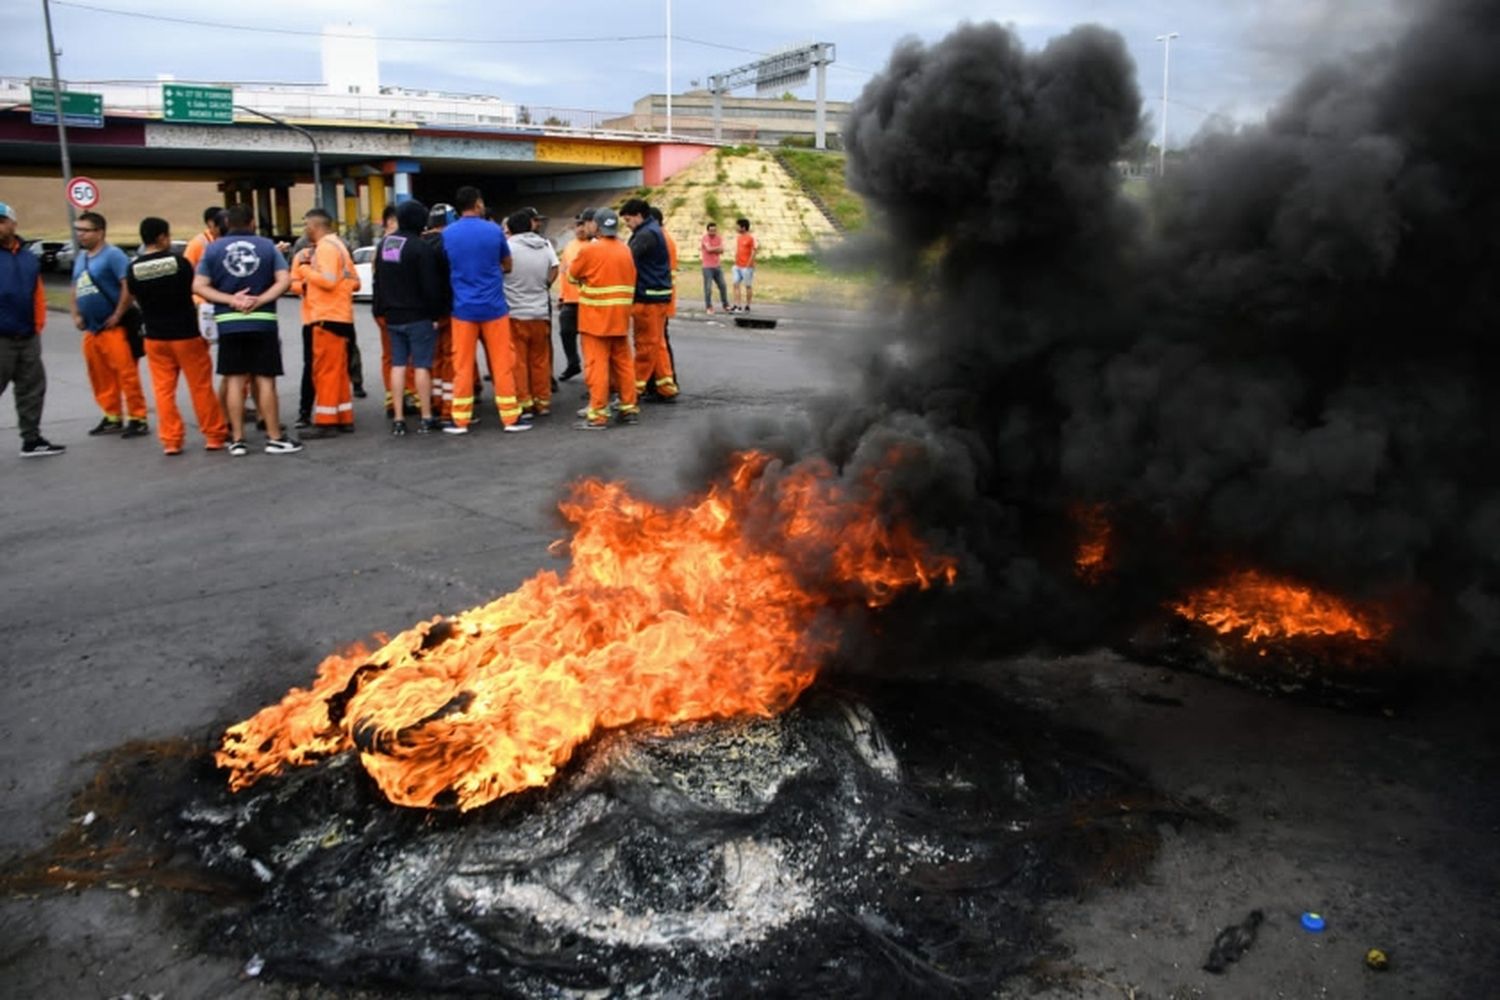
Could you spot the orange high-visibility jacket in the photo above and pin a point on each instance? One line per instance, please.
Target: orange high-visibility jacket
(605, 272)
(567, 288)
(328, 283)
(193, 253)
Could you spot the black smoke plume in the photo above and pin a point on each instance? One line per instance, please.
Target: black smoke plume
(1284, 361)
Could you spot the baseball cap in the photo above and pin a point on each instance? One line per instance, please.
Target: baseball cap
(441, 215)
(584, 215)
(608, 222)
(7, 212)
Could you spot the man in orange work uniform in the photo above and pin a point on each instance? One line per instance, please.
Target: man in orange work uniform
(162, 282)
(478, 259)
(653, 297)
(326, 274)
(100, 299)
(605, 273)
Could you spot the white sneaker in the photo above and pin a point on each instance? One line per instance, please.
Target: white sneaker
(454, 429)
(282, 446)
(517, 428)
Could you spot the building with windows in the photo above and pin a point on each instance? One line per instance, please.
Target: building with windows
(763, 120)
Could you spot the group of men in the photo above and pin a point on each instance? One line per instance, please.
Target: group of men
(445, 281)
(711, 253)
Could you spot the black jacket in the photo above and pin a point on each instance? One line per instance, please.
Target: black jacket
(411, 282)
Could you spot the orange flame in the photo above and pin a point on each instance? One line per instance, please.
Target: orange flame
(1092, 560)
(665, 615)
(1266, 608)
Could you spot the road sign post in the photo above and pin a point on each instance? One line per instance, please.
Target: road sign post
(83, 193)
(190, 104)
(78, 110)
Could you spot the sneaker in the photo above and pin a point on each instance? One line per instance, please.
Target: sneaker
(398, 428)
(526, 417)
(304, 422)
(430, 426)
(709, 310)
(239, 449)
(282, 446)
(41, 448)
(109, 425)
(571, 371)
(214, 446)
(135, 429)
(454, 429)
(544, 411)
(591, 425)
(172, 451)
(517, 427)
(344, 428)
(359, 392)
(629, 418)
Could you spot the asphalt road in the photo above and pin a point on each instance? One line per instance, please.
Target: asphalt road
(151, 597)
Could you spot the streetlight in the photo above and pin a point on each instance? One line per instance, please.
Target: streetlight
(669, 68)
(1166, 56)
(62, 128)
(317, 163)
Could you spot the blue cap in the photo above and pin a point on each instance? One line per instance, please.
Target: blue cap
(1313, 922)
(6, 212)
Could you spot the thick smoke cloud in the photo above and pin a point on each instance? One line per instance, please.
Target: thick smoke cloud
(1284, 362)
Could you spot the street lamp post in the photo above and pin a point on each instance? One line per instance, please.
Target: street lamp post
(317, 162)
(1166, 57)
(669, 68)
(62, 128)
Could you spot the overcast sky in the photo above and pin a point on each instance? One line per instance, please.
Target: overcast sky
(1234, 57)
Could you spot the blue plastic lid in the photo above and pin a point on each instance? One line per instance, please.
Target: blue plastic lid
(1313, 921)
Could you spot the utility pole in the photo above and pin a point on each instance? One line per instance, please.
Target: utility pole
(317, 162)
(1166, 60)
(62, 128)
(669, 68)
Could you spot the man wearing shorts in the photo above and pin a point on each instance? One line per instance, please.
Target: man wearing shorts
(411, 296)
(243, 275)
(745, 247)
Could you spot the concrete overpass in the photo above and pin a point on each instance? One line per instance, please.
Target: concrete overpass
(363, 165)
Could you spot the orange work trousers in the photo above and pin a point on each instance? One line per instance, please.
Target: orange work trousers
(166, 359)
(113, 374)
(333, 394)
(532, 339)
(502, 357)
(607, 359)
(649, 321)
(442, 370)
(385, 357)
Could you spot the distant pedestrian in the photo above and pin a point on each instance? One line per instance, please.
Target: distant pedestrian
(711, 252)
(567, 294)
(214, 226)
(410, 294)
(388, 225)
(478, 257)
(23, 314)
(653, 295)
(325, 272)
(162, 282)
(605, 273)
(100, 302)
(745, 248)
(527, 291)
(243, 275)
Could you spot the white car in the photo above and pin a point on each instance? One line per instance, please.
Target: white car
(364, 266)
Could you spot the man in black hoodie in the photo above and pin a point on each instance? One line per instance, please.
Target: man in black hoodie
(410, 294)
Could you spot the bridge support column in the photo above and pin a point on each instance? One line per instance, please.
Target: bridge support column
(328, 197)
(376, 183)
(264, 221)
(401, 186)
(283, 210)
(351, 204)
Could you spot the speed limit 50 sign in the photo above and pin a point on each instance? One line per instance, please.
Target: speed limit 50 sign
(83, 192)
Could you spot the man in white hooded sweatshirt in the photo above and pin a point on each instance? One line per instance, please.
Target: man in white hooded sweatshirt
(528, 286)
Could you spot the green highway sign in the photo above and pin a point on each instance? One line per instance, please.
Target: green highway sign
(181, 102)
(78, 110)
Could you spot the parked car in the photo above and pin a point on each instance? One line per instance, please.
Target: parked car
(364, 266)
(65, 258)
(46, 252)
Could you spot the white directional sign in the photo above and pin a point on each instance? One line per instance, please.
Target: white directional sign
(83, 192)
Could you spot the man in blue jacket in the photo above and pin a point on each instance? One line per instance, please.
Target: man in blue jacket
(23, 313)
